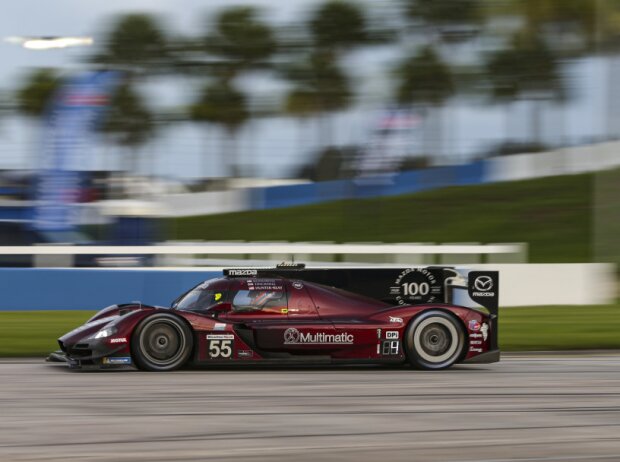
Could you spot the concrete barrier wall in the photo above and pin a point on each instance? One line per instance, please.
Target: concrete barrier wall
(565, 161)
(555, 284)
(91, 289)
(205, 203)
(27, 289)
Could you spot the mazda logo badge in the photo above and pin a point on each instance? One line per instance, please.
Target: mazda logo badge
(483, 283)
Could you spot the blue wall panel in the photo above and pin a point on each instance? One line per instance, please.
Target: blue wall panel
(334, 190)
(473, 173)
(290, 196)
(377, 186)
(92, 289)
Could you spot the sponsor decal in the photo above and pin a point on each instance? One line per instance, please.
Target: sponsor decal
(474, 325)
(220, 346)
(118, 340)
(391, 334)
(483, 286)
(475, 350)
(394, 319)
(217, 297)
(265, 284)
(284, 311)
(391, 347)
(220, 336)
(245, 353)
(378, 333)
(475, 342)
(219, 326)
(242, 272)
(416, 285)
(117, 360)
(293, 336)
(298, 285)
(485, 330)
(475, 335)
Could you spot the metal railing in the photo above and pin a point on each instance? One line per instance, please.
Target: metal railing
(227, 253)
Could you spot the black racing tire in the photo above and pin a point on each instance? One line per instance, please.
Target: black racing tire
(161, 342)
(434, 340)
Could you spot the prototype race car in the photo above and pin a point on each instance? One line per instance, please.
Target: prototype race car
(429, 317)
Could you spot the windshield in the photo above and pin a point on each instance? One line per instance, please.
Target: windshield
(199, 299)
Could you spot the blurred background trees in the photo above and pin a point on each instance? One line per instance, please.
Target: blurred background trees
(425, 81)
(135, 43)
(128, 123)
(220, 103)
(237, 41)
(513, 53)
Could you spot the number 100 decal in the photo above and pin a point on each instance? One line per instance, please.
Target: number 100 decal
(220, 345)
(416, 285)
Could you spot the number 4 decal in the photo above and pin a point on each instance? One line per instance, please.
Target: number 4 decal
(220, 345)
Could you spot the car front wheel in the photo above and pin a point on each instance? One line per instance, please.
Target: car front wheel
(434, 340)
(161, 342)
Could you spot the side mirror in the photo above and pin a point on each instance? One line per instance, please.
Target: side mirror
(220, 309)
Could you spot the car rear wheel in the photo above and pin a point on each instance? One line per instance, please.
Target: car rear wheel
(161, 342)
(434, 340)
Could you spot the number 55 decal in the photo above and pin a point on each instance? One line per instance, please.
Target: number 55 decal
(220, 345)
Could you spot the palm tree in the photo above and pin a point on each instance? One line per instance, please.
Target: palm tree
(222, 104)
(423, 79)
(528, 69)
(446, 19)
(35, 95)
(240, 42)
(128, 122)
(573, 16)
(135, 43)
(338, 26)
(321, 88)
(302, 104)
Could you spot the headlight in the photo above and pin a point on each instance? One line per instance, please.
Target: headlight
(106, 332)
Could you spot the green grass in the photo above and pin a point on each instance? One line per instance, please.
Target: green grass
(34, 333)
(552, 214)
(560, 328)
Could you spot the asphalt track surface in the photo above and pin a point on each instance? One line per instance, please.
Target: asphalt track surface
(525, 408)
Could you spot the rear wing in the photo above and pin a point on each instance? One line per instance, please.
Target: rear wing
(397, 286)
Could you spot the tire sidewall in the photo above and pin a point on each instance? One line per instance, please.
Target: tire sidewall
(413, 330)
(143, 362)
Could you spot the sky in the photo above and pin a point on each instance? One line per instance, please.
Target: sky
(271, 147)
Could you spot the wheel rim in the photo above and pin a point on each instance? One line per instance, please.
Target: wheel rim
(436, 340)
(162, 342)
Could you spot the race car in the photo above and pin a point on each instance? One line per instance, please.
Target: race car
(428, 317)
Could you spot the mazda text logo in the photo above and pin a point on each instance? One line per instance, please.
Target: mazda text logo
(483, 283)
(291, 335)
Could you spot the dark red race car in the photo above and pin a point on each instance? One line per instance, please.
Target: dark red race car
(429, 317)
